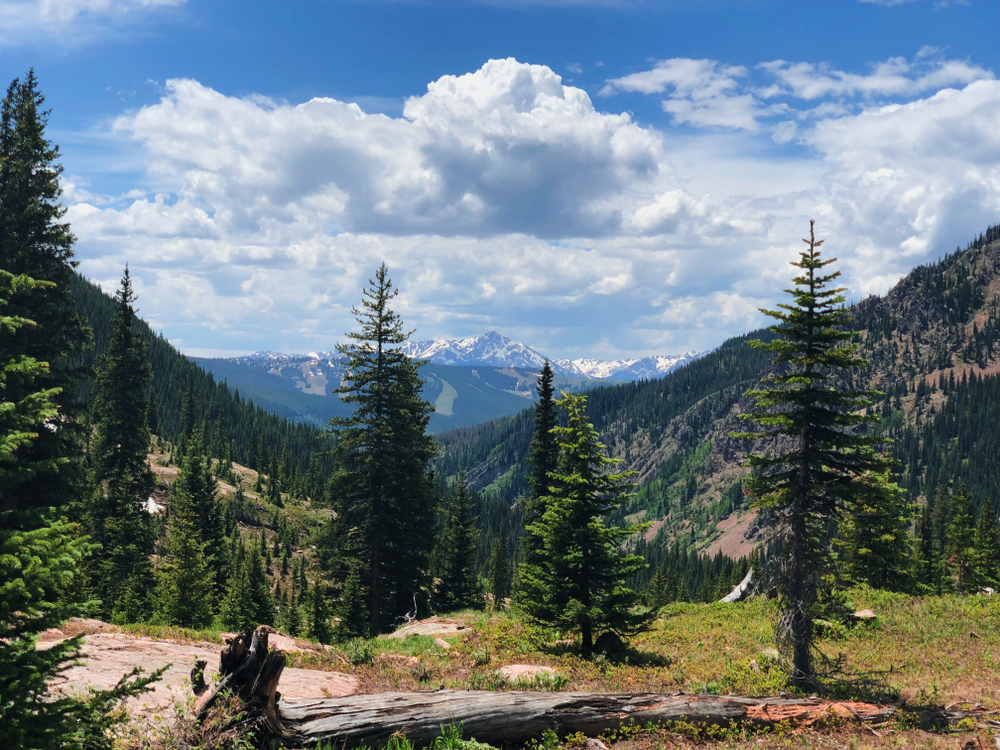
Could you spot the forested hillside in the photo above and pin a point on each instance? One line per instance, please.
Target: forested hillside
(933, 345)
(229, 424)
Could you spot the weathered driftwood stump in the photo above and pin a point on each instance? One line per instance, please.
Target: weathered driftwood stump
(251, 672)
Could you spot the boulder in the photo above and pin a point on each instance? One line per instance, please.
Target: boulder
(864, 615)
(593, 743)
(442, 643)
(517, 671)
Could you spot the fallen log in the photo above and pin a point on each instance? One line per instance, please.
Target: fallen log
(251, 672)
(505, 717)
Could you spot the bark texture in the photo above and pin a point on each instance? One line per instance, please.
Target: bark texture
(251, 672)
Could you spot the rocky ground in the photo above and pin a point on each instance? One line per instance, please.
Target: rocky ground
(108, 654)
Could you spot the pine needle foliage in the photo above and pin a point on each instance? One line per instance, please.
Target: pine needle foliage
(185, 589)
(578, 584)
(457, 552)
(122, 574)
(874, 535)
(384, 449)
(817, 449)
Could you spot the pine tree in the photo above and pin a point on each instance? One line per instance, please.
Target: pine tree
(960, 542)
(805, 484)
(384, 449)
(291, 617)
(656, 592)
(928, 562)
(579, 581)
(122, 573)
(320, 628)
(196, 482)
(352, 612)
(185, 580)
(41, 466)
(261, 600)
(459, 580)
(500, 573)
(236, 611)
(874, 535)
(986, 549)
(543, 458)
(39, 550)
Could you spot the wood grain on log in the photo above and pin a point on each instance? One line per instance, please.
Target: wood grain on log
(251, 672)
(504, 717)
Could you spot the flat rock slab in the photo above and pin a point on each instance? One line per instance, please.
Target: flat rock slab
(517, 671)
(109, 656)
(430, 626)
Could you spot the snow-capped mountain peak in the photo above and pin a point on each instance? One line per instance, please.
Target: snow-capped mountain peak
(488, 349)
(492, 349)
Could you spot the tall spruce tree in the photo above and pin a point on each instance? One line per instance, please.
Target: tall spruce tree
(384, 449)
(961, 540)
(543, 458)
(578, 582)
(185, 580)
(351, 610)
(874, 535)
(927, 560)
(39, 550)
(41, 457)
(320, 612)
(41, 476)
(196, 482)
(813, 475)
(122, 573)
(457, 555)
(986, 548)
(500, 572)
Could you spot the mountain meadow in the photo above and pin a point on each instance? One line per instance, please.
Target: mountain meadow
(789, 541)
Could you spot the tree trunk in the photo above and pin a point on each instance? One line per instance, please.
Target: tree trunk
(505, 717)
(375, 601)
(252, 673)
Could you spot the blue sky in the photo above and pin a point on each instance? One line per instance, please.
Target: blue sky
(592, 178)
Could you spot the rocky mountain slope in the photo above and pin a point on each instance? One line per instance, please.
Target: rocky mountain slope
(934, 348)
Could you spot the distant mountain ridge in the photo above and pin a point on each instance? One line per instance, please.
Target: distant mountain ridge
(492, 349)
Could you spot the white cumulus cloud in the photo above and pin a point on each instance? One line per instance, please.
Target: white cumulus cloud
(502, 198)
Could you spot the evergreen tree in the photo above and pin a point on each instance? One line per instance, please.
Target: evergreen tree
(459, 579)
(122, 573)
(196, 482)
(384, 449)
(986, 549)
(185, 580)
(261, 600)
(579, 581)
(291, 617)
(657, 591)
(927, 564)
(874, 535)
(352, 611)
(542, 459)
(236, 612)
(41, 476)
(320, 627)
(960, 542)
(805, 484)
(39, 550)
(500, 573)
